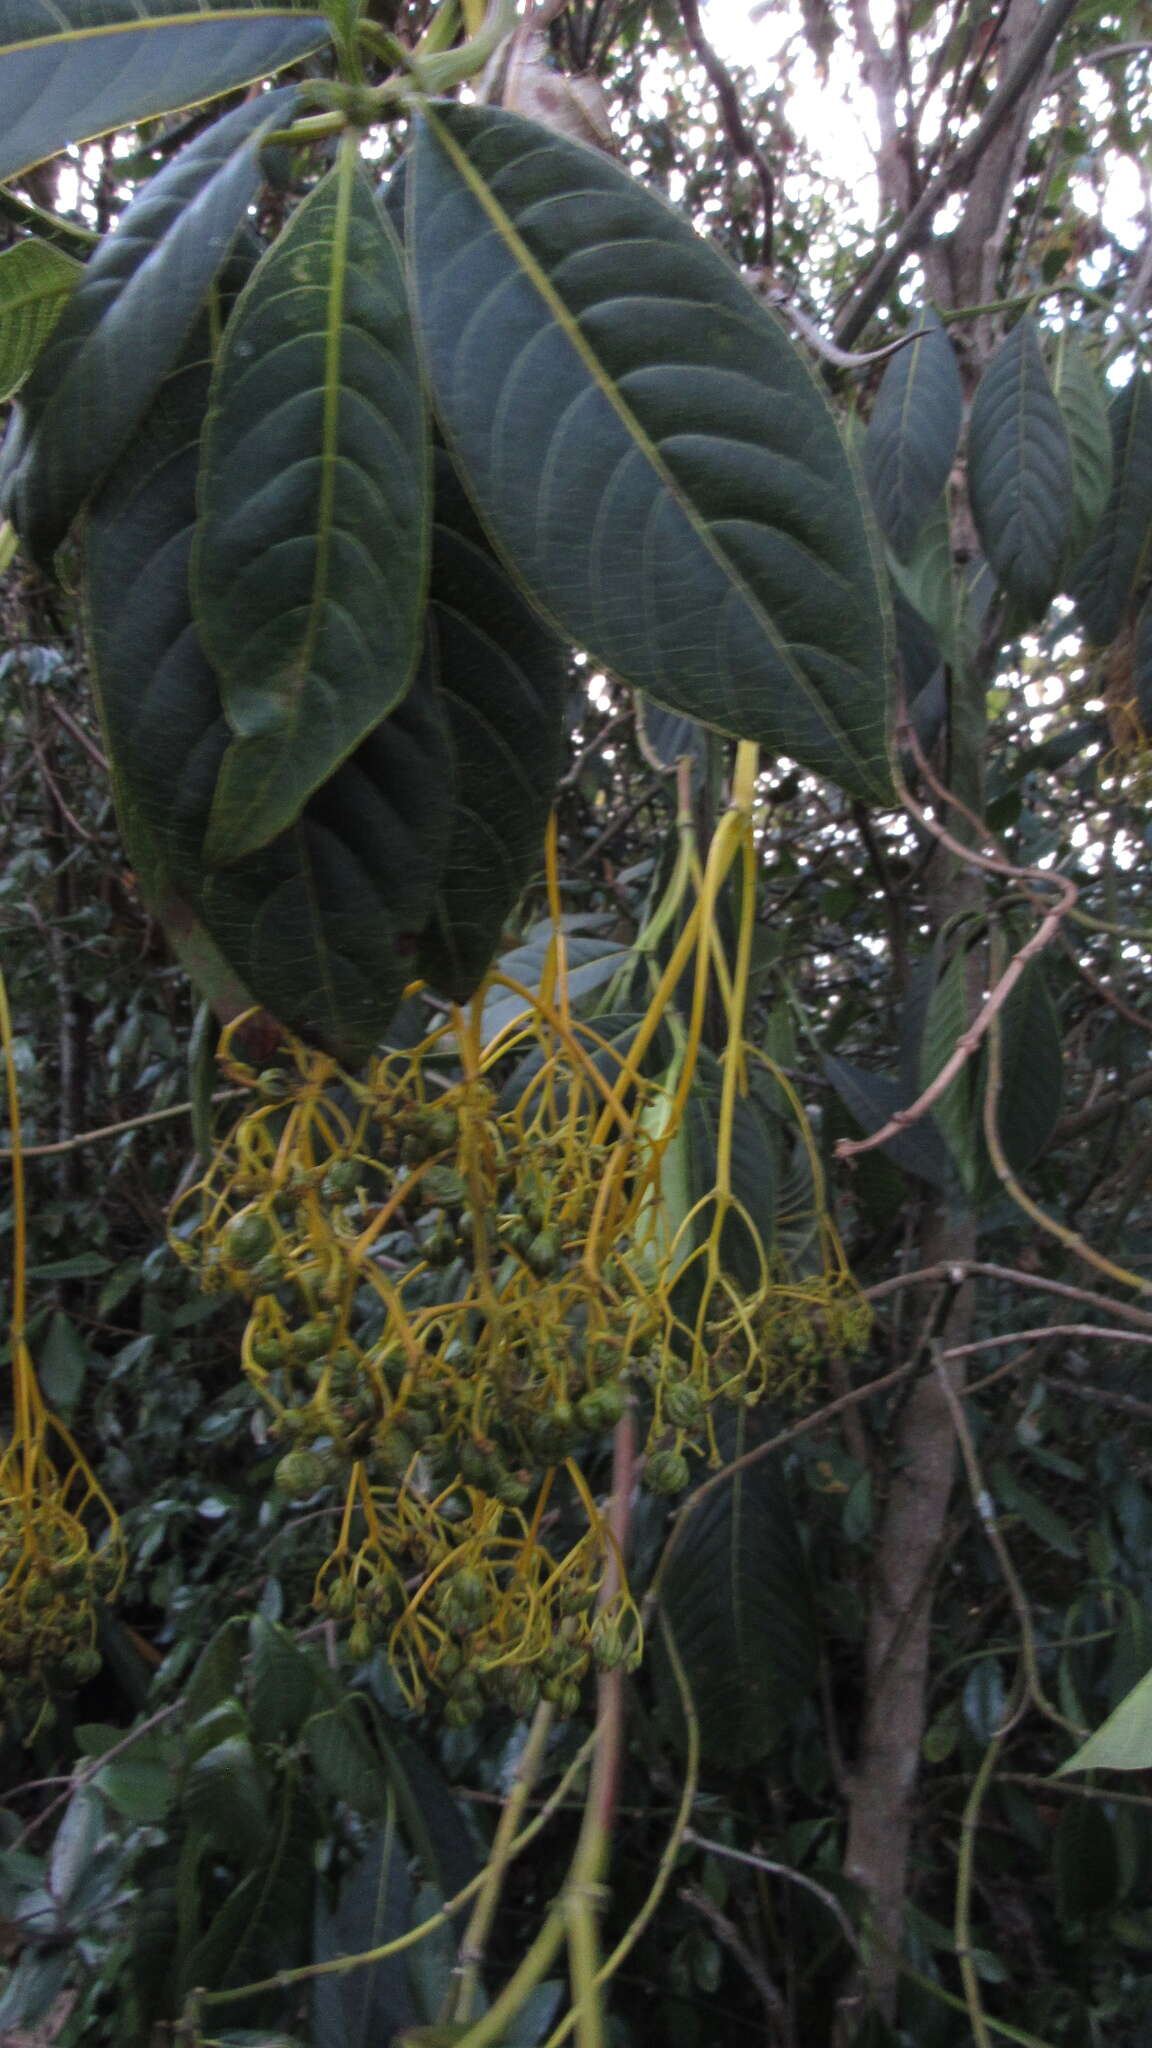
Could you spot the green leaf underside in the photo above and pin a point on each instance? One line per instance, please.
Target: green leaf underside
(312, 922)
(913, 432)
(1020, 471)
(737, 1599)
(1106, 574)
(1124, 1742)
(36, 281)
(502, 679)
(1082, 398)
(128, 320)
(311, 557)
(645, 445)
(74, 69)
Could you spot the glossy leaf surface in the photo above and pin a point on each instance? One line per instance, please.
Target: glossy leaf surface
(645, 444)
(311, 923)
(502, 678)
(36, 282)
(1020, 471)
(913, 432)
(310, 561)
(126, 323)
(1106, 574)
(73, 69)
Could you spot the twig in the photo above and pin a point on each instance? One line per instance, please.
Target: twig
(735, 126)
(84, 1777)
(1103, 1397)
(1038, 1283)
(729, 1937)
(132, 1123)
(1051, 1330)
(785, 1871)
(918, 224)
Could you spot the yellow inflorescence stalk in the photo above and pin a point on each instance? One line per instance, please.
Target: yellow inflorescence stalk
(60, 1547)
(462, 1266)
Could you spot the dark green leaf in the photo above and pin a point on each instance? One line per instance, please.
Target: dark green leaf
(263, 1925)
(591, 962)
(62, 1362)
(310, 561)
(1082, 397)
(645, 444)
(742, 1614)
(310, 924)
(957, 1112)
(913, 432)
(77, 1836)
(1020, 476)
(281, 1682)
(216, 1675)
(1032, 1069)
(1086, 1862)
(78, 68)
(1043, 1520)
(373, 1905)
(502, 679)
(81, 1266)
(872, 1099)
(1105, 575)
(985, 1700)
(225, 1797)
(689, 1178)
(346, 1761)
(36, 281)
(127, 322)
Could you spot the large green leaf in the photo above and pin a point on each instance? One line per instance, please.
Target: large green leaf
(913, 432)
(1106, 574)
(36, 282)
(310, 560)
(313, 922)
(1124, 1742)
(263, 1924)
(1020, 475)
(1082, 397)
(737, 1599)
(127, 322)
(72, 69)
(502, 678)
(645, 444)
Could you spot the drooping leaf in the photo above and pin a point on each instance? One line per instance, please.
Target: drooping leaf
(742, 1614)
(1142, 664)
(1105, 575)
(957, 1112)
(591, 962)
(927, 580)
(1020, 474)
(373, 1905)
(311, 924)
(1082, 397)
(74, 69)
(216, 1673)
(311, 554)
(36, 281)
(281, 1682)
(913, 432)
(128, 320)
(226, 1798)
(1031, 1069)
(263, 1924)
(645, 444)
(501, 677)
(77, 1836)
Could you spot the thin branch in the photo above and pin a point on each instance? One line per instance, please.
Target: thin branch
(735, 127)
(775, 2010)
(1051, 1330)
(132, 1123)
(918, 224)
(782, 1870)
(1038, 1283)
